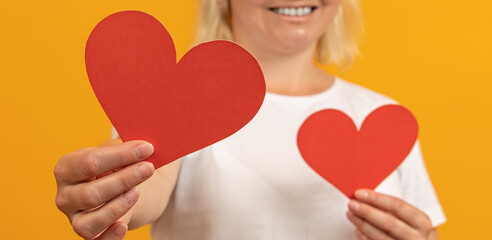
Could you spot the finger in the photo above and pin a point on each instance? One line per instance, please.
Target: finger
(97, 192)
(85, 165)
(89, 224)
(381, 220)
(408, 213)
(367, 230)
(117, 231)
(127, 216)
(64, 167)
(360, 235)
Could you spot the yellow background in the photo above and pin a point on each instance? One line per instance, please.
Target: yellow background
(432, 56)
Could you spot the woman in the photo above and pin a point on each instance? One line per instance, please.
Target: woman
(254, 184)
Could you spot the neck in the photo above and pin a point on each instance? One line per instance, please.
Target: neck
(293, 74)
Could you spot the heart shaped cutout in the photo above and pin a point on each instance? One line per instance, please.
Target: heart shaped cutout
(351, 159)
(214, 90)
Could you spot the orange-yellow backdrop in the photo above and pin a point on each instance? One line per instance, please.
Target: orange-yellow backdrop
(432, 56)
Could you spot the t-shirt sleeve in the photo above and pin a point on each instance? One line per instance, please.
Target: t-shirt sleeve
(417, 187)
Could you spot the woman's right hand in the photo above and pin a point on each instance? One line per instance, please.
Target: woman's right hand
(96, 187)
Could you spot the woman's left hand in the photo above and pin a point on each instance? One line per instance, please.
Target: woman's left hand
(380, 216)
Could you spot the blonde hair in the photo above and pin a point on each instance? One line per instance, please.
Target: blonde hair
(339, 44)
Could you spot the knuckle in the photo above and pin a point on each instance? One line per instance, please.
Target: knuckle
(373, 197)
(90, 162)
(360, 235)
(396, 205)
(82, 228)
(364, 226)
(61, 203)
(363, 210)
(60, 167)
(125, 183)
(389, 223)
(89, 196)
(114, 213)
(125, 156)
(58, 171)
(356, 221)
(427, 224)
(66, 157)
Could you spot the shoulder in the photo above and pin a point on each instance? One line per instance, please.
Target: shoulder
(363, 95)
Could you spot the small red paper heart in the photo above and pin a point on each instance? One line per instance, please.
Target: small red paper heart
(351, 159)
(214, 90)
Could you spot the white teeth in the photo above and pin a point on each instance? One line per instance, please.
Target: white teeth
(292, 11)
(307, 10)
(302, 11)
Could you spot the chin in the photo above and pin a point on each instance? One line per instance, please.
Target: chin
(295, 42)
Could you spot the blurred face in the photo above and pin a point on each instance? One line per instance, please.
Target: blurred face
(283, 26)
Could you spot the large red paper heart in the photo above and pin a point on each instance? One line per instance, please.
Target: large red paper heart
(351, 159)
(214, 90)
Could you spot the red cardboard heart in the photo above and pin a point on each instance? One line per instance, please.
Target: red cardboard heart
(214, 90)
(351, 159)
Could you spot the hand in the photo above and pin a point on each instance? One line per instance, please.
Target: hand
(379, 216)
(96, 187)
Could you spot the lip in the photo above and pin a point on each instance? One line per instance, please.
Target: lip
(296, 4)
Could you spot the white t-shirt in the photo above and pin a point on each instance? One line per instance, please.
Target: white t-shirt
(255, 184)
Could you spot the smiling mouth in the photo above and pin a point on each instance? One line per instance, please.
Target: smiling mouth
(296, 12)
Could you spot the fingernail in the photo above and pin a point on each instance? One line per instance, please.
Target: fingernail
(120, 230)
(353, 205)
(130, 197)
(145, 170)
(144, 150)
(361, 194)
